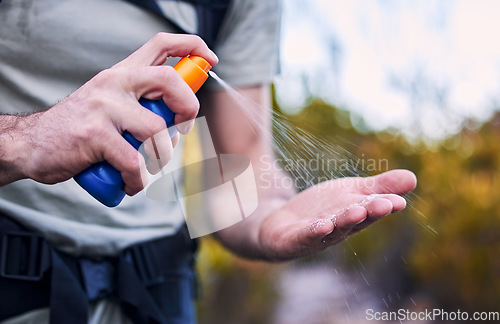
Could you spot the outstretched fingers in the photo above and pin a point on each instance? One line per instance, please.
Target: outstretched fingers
(335, 228)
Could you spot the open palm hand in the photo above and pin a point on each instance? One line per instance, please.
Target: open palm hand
(329, 212)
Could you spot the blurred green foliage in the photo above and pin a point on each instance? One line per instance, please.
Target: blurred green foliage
(447, 242)
(234, 290)
(459, 187)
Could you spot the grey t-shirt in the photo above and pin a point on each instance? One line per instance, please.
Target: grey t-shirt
(49, 48)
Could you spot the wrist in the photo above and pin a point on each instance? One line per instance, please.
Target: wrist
(14, 147)
(250, 238)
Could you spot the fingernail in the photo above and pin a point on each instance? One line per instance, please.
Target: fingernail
(185, 127)
(216, 58)
(359, 222)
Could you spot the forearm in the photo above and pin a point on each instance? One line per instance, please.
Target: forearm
(244, 238)
(237, 133)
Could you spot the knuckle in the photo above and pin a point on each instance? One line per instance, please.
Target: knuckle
(197, 40)
(150, 124)
(97, 128)
(97, 103)
(192, 106)
(156, 124)
(132, 164)
(132, 174)
(160, 37)
(165, 74)
(105, 76)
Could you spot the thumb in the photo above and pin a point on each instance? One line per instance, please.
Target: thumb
(398, 182)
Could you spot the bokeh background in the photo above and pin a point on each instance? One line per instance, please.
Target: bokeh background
(414, 83)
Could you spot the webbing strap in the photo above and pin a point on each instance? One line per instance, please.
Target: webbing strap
(148, 4)
(210, 14)
(138, 278)
(210, 21)
(68, 300)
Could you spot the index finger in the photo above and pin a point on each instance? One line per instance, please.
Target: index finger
(164, 45)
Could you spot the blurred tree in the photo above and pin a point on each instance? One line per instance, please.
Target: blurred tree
(459, 265)
(441, 252)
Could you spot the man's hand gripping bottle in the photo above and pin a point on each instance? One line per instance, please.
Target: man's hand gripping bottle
(101, 179)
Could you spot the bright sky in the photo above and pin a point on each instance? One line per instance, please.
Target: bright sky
(416, 65)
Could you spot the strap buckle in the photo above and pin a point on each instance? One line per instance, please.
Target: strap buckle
(24, 256)
(97, 278)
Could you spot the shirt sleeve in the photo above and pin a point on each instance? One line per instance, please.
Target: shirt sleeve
(248, 43)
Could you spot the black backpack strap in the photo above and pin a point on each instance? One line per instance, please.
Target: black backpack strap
(24, 264)
(152, 5)
(152, 280)
(33, 275)
(210, 16)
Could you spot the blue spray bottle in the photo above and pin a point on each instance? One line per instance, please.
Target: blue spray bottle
(101, 179)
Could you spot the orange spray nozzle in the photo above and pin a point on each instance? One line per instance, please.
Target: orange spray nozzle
(193, 69)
